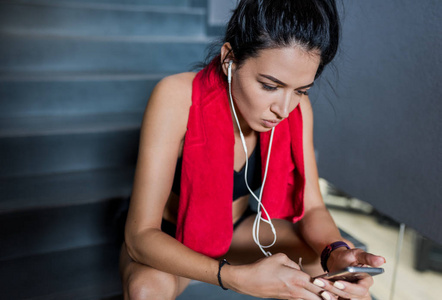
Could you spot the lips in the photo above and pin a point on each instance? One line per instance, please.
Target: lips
(270, 123)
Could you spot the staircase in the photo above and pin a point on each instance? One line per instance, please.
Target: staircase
(75, 76)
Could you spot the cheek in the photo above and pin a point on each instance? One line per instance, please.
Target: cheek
(295, 103)
(252, 100)
(259, 102)
(248, 99)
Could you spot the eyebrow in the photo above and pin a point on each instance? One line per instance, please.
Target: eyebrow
(284, 84)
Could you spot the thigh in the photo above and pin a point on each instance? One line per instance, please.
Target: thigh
(144, 282)
(243, 249)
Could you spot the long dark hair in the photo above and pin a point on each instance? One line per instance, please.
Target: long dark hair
(262, 24)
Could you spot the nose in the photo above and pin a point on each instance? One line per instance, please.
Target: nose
(281, 107)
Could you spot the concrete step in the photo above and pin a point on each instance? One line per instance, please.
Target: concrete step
(101, 19)
(173, 3)
(53, 53)
(58, 144)
(74, 93)
(64, 189)
(42, 214)
(83, 273)
(39, 231)
(202, 290)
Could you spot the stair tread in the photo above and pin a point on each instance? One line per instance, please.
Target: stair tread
(65, 189)
(46, 145)
(74, 94)
(112, 6)
(85, 19)
(44, 53)
(161, 3)
(68, 124)
(30, 34)
(78, 76)
(83, 273)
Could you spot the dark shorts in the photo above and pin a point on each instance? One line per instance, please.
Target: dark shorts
(170, 228)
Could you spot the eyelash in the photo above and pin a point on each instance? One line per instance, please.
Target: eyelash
(305, 93)
(268, 87)
(274, 88)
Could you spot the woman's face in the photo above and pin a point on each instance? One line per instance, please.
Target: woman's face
(268, 87)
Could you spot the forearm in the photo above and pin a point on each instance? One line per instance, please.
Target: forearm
(318, 229)
(154, 248)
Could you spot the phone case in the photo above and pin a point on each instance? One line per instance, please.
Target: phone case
(352, 274)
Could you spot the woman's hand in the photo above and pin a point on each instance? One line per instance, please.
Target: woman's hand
(341, 258)
(273, 277)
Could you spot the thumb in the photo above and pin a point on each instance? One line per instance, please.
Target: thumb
(370, 259)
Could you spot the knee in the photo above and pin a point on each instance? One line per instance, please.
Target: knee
(159, 287)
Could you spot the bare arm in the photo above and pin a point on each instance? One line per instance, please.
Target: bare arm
(317, 226)
(162, 132)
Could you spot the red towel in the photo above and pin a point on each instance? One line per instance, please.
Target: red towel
(205, 209)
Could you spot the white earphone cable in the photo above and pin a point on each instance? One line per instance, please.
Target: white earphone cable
(258, 218)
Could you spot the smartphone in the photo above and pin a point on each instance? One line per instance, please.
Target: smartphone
(352, 274)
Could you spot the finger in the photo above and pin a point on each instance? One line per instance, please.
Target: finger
(366, 282)
(315, 293)
(330, 289)
(318, 288)
(349, 290)
(302, 287)
(370, 259)
(286, 261)
(296, 293)
(345, 289)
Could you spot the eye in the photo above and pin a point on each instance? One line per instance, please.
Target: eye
(300, 93)
(268, 87)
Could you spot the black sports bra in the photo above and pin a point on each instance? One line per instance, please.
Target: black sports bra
(239, 184)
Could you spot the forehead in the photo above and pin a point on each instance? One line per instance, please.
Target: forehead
(292, 65)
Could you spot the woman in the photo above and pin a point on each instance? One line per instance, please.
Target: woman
(247, 113)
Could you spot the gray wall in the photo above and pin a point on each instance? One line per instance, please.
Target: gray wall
(219, 11)
(381, 139)
(378, 135)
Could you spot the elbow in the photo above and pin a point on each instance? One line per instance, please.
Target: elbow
(131, 242)
(137, 247)
(130, 247)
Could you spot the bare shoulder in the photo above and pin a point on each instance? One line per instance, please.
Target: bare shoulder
(170, 102)
(181, 80)
(174, 89)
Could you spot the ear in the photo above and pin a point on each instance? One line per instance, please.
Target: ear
(226, 57)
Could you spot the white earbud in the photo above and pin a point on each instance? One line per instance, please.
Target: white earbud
(229, 72)
(261, 208)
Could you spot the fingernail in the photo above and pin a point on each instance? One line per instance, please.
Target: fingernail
(325, 295)
(339, 285)
(383, 258)
(319, 283)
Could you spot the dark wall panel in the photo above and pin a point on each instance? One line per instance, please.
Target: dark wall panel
(379, 137)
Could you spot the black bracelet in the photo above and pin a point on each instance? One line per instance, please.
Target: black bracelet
(221, 264)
